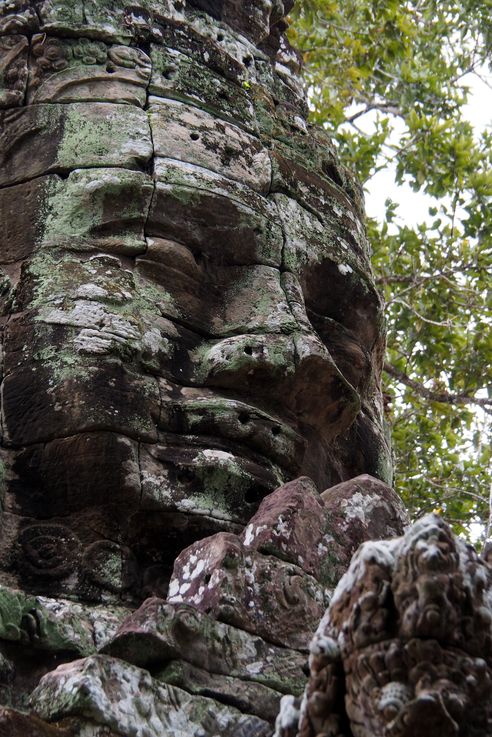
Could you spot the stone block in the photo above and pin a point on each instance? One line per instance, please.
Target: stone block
(175, 75)
(214, 215)
(56, 625)
(257, 593)
(44, 486)
(203, 480)
(21, 228)
(250, 18)
(200, 412)
(96, 210)
(34, 413)
(126, 699)
(290, 524)
(160, 631)
(321, 196)
(210, 295)
(247, 696)
(364, 508)
(195, 136)
(230, 56)
(71, 137)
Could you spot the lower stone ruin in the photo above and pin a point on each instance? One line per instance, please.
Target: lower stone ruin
(402, 645)
(219, 654)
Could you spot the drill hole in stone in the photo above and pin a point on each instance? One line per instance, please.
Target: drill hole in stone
(185, 475)
(194, 136)
(248, 350)
(220, 37)
(247, 61)
(144, 45)
(332, 173)
(110, 69)
(276, 430)
(243, 418)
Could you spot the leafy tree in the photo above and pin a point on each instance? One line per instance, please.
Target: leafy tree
(404, 66)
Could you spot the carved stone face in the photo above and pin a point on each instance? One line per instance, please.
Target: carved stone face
(189, 314)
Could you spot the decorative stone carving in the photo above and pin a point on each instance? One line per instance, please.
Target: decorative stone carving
(13, 70)
(405, 647)
(18, 16)
(47, 550)
(68, 70)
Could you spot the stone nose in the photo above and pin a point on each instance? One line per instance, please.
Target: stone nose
(249, 363)
(292, 373)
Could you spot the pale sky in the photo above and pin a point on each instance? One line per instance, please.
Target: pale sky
(414, 205)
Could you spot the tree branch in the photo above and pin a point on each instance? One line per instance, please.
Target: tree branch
(415, 280)
(440, 324)
(382, 107)
(435, 396)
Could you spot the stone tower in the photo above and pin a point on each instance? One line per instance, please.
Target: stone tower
(189, 322)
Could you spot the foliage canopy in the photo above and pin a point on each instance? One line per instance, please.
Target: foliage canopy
(389, 80)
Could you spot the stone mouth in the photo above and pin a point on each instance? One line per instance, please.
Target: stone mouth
(233, 427)
(207, 477)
